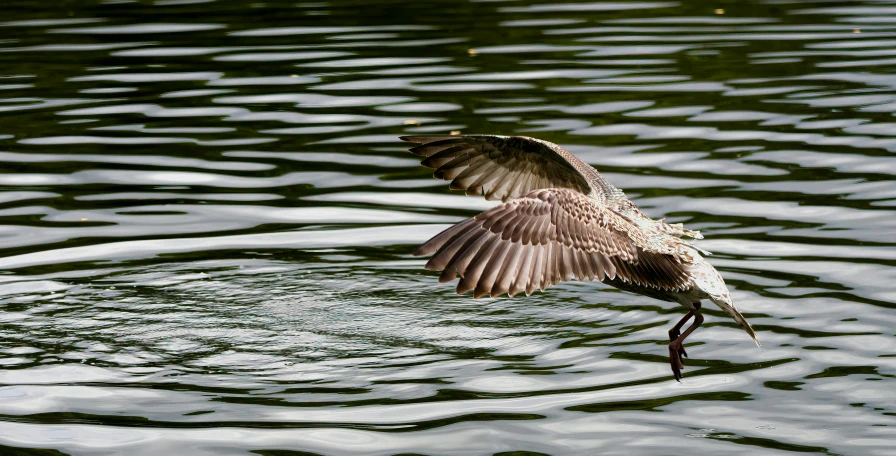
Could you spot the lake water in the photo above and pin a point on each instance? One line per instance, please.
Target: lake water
(206, 221)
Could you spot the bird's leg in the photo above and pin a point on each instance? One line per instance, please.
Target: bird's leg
(676, 345)
(676, 331)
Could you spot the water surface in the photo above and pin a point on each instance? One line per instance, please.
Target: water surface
(206, 221)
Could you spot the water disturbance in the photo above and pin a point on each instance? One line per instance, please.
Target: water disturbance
(206, 221)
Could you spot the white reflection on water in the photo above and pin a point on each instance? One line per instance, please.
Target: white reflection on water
(207, 221)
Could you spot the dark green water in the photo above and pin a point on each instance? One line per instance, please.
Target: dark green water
(206, 219)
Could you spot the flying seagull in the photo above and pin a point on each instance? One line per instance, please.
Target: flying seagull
(561, 220)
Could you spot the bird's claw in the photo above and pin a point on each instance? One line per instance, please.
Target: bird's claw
(675, 352)
(673, 334)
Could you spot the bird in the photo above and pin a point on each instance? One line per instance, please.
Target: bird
(559, 220)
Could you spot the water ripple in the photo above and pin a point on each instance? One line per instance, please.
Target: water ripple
(207, 221)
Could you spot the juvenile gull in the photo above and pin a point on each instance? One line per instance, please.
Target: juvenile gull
(561, 220)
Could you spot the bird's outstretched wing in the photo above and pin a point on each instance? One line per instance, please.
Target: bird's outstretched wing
(546, 236)
(505, 167)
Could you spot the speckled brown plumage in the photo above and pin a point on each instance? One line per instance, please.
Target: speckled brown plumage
(560, 220)
(541, 238)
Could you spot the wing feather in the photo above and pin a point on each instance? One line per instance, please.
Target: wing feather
(446, 156)
(536, 276)
(492, 269)
(505, 167)
(521, 277)
(445, 255)
(471, 276)
(542, 238)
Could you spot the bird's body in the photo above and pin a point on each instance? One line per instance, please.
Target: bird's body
(560, 220)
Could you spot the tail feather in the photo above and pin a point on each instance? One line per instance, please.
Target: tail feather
(710, 281)
(729, 309)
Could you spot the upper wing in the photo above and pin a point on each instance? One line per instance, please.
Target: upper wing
(547, 236)
(505, 167)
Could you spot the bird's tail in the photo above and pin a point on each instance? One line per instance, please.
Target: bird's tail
(710, 281)
(728, 307)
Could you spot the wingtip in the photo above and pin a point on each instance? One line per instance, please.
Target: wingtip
(426, 139)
